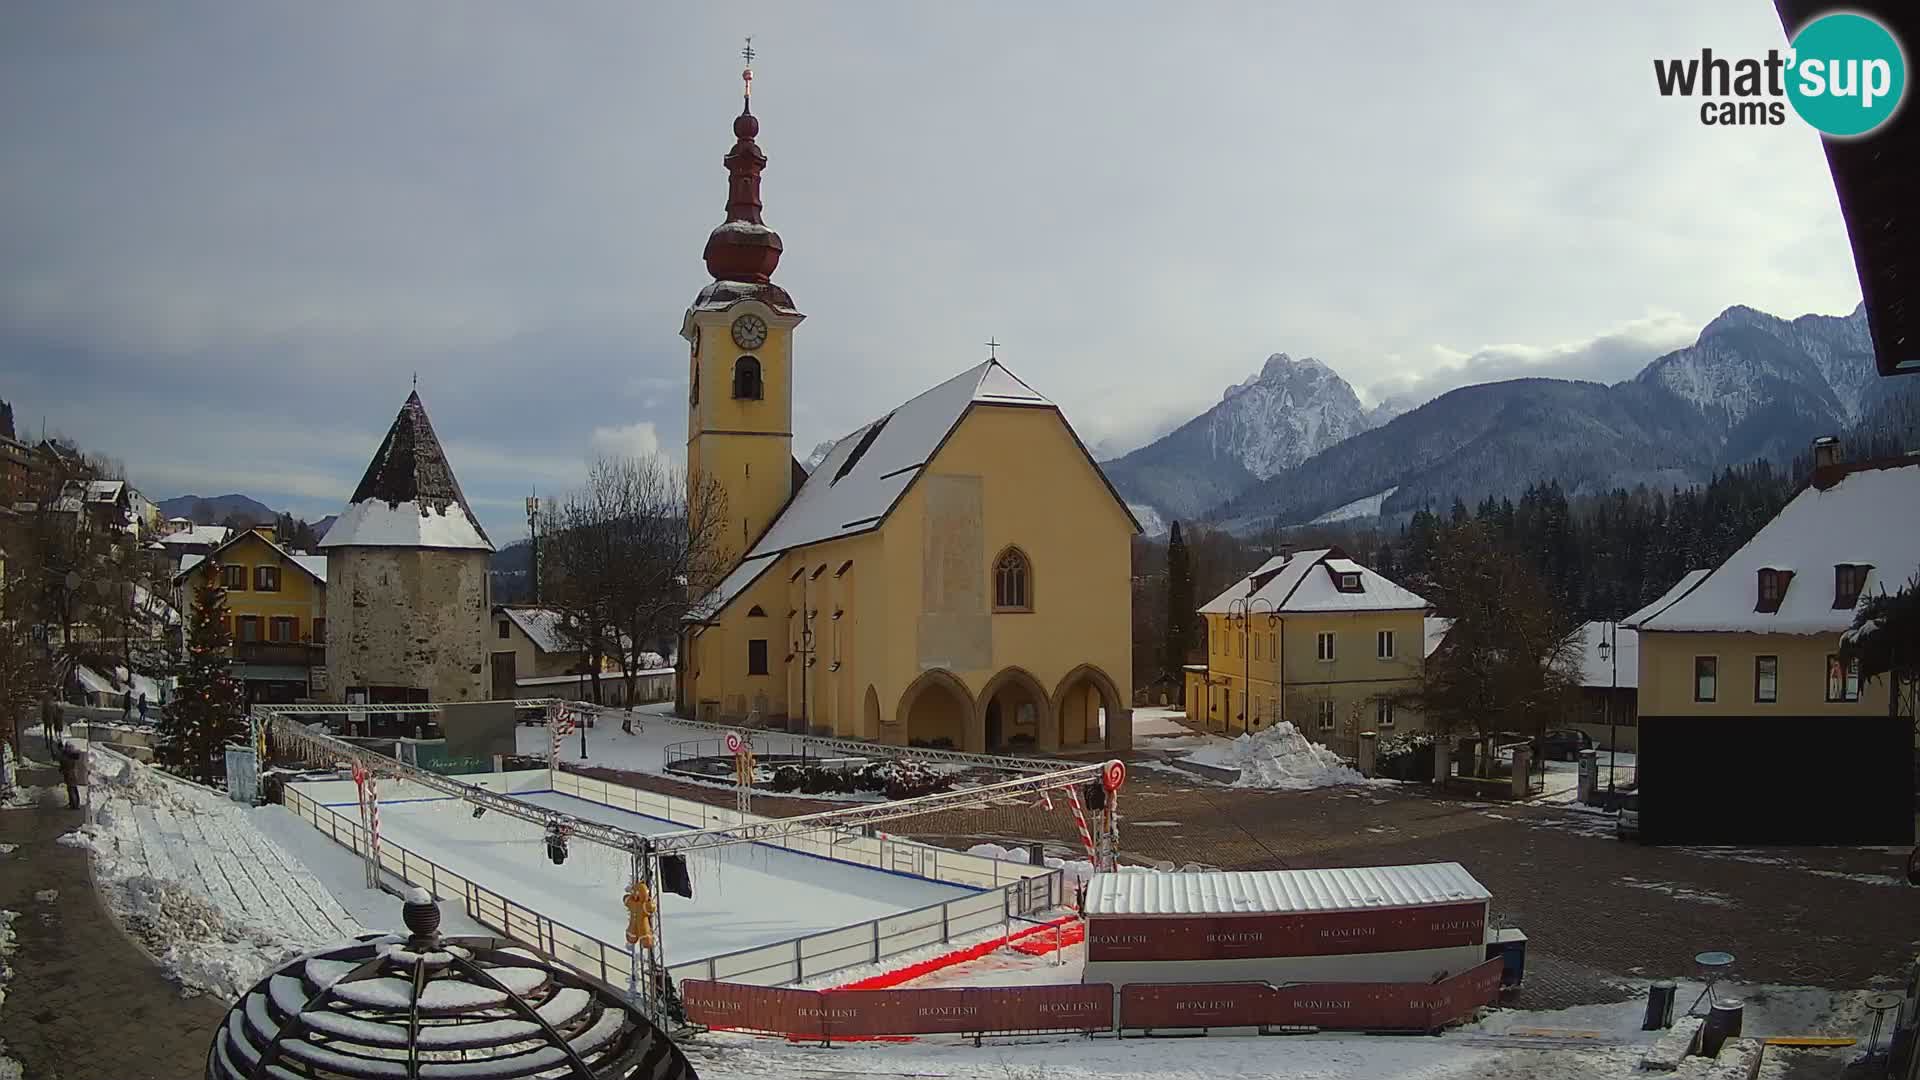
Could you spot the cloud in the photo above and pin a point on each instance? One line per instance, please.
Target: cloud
(639, 440)
(1608, 357)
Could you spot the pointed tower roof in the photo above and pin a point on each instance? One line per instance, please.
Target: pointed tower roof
(742, 248)
(409, 497)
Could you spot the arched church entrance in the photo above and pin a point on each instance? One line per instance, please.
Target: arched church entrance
(1013, 706)
(936, 710)
(1084, 706)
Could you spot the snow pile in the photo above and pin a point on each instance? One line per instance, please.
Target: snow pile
(1279, 758)
(9, 1068)
(183, 869)
(377, 523)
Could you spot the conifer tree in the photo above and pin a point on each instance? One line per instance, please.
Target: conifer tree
(208, 710)
(1180, 604)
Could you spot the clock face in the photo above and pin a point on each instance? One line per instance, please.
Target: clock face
(749, 331)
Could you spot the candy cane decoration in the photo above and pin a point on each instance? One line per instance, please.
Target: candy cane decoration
(1080, 819)
(373, 831)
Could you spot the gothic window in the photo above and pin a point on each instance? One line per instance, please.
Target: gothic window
(746, 379)
(1012, 582)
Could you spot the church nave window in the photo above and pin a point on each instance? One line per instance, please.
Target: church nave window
(1012, 582)
(746, 379)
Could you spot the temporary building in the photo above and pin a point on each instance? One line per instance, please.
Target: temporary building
(1352, 924)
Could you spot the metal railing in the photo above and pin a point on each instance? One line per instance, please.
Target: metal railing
(1015, 890)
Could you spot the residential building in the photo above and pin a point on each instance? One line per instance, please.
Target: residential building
(954, 573)
(193, 540)
(407, 560)
(1315, 639)
(276, 613)
(1742, 682)
(532, 656)
(1608, 706)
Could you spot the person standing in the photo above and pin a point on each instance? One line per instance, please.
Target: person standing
(143, 706)
(49, 722)
(73, 771)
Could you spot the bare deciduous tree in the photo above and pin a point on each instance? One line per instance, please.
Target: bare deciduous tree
(628, 555)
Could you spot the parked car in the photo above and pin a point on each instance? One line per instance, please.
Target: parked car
(1564, 744)
(1627, 825)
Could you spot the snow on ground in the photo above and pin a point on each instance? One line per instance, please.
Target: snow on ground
(1364, 507)
(345, 876)
(213, 900)
(645, 749)
(9, 1068)
(1279, 758)
(744, 895)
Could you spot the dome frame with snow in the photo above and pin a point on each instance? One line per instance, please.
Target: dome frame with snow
(421, 1006)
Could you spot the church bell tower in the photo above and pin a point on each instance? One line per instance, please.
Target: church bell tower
(739, 333)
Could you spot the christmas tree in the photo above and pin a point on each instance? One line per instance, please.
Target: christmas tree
(208, 710)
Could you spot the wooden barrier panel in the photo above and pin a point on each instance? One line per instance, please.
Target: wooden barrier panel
(1348, 1006)
(981, 1009)
(1309, 933)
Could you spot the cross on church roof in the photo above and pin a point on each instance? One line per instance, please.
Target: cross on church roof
(746, 74)
(993, 349)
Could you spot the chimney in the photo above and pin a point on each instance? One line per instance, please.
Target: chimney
(1826, 452)
(1827, 468)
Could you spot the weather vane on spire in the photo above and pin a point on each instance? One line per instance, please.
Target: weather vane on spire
(746, 74)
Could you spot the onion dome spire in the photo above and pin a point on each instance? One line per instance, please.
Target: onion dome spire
(742, 248)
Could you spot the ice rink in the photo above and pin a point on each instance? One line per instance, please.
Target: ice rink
(744, 895)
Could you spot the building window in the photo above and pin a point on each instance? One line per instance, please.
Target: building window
(1843, 679)
(1324, 713)
(249, 628)
(233, 578)
(1383, 712)
(1273, 649)
(266, 579)
(319, 631)
(1013, 582)
(746, 379)
(756, 612)
(1706, 677)
(1383, 644)
(283, 630)
(1773, 589)
(503, 630)
(1848, 580)
(757, 656)
(1766, 679)
(1259, 646)
(1323, 645)
(1349, 583)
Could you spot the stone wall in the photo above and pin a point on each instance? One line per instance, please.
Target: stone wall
(408, 617)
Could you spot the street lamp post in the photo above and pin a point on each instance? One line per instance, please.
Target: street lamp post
(1610, 652)
(1242, 610)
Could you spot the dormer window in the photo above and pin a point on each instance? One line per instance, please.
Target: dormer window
(1772, 589)
(746, 379)
(1848, 580)
(1346, 575)
(1349, 582)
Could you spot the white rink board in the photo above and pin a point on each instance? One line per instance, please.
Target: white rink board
(745, 895)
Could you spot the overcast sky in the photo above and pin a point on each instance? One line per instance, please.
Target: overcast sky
(231, 232)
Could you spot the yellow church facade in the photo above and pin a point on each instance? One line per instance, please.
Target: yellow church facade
(954, 574)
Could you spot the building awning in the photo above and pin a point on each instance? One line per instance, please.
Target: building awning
(270, 673)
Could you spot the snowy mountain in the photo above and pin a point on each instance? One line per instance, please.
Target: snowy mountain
(1277, 418)
(1750, 386)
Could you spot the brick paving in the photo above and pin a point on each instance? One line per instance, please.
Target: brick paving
(1600, 915)
(84, 1002)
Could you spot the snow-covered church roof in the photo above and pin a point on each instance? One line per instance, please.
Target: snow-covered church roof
(1869, 516)
(1290, 584)
(862, 478)
(409, 497)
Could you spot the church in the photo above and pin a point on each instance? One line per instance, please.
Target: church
(957, 573)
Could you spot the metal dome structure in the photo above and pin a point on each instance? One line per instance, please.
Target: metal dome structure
(424, 1006)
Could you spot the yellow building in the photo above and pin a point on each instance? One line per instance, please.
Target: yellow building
(1315, 639)
(955, 573)
(1742, 681)
(276, 612)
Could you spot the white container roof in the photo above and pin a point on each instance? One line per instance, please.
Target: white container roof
(1275, 892)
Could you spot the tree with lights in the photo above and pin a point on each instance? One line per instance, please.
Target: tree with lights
(209, 709)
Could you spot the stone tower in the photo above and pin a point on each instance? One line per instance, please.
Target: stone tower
(407, 590)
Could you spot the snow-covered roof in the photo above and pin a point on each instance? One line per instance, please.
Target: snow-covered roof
(1296, 584)
(857, 484)
(105, 490)
(1597, 672)
(315, 565)
(92, 681)
(1869, 516)
(1436, 632)
(1666, 599)
(542, 626)
(408, 496)
(210, 535)
(1282, 891)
